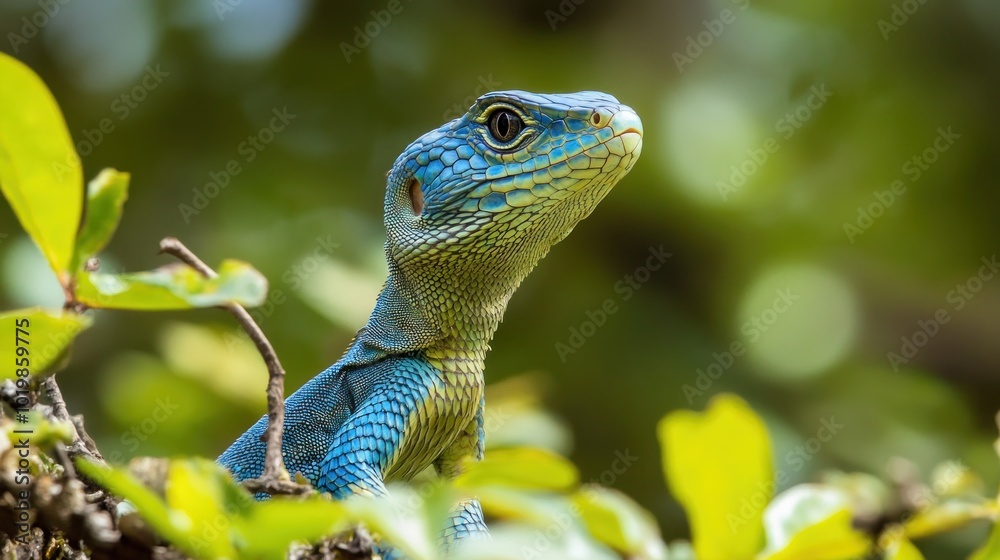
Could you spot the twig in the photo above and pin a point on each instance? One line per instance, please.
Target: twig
(63, 456)
(275, 486)
(82, 444)
(275, 479)
(86, 440)
(52, 391)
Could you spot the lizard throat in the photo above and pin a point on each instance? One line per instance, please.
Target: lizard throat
(450, 317)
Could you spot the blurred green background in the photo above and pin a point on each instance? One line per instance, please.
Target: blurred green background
(823, 175)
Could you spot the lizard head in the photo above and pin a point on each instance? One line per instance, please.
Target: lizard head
(486, 195)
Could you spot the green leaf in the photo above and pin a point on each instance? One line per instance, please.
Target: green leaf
(718, 466)
(432, 498)
(516, 418)
(553, 541)
(557, 525)
(268, 528)
(528, 506)
(990, 550)
(903, 549)
(175, 286)
(616, 520)
(47, 336)
(830, 539)
(106, 196)
(996, 443)
(393, 519)
(151, 508)
(812, 521)
(40, 173)
(195, 493)
(527, 468)
(947, 516)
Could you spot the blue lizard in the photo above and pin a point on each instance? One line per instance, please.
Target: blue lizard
(470, 208)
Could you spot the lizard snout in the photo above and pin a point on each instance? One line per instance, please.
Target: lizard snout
(627, 126)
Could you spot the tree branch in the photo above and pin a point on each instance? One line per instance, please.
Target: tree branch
(82, 444)
(275, 478)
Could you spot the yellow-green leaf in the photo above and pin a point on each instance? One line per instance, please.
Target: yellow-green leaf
(268, 528)
(195, 493)
(516, 417)
(36, 340)
(106, 196)
(40, 173)
(174, 286)
(528, 506)
(616, 520)
(151, 508)
(991, 549)
(718, 466)
(947, 516)
(812, 521)
(525, 467)
(394, 520)
(996, 442)
(903, 549)
(830, 539)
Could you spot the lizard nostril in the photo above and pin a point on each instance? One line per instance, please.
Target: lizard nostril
(596, 119)
(416, 197)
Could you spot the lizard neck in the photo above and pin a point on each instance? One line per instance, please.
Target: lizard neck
(428, 311)
(446, 305)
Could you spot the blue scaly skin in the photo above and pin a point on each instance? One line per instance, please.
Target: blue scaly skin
(470, 208)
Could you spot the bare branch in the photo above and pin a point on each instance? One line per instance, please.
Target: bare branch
(275, 478)
(55, 397)
(82, 444)
(276, 486)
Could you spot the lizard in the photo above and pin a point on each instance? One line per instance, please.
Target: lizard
(470, 208)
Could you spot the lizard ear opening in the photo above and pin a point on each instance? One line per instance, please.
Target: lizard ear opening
(416, 197)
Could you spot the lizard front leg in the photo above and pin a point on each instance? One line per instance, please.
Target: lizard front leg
(466, 520)
(399, 430)
(367, 443)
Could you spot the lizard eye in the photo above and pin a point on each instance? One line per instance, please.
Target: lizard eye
(505, 125)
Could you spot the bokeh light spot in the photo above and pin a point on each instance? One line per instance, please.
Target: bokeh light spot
(258, 30)
(797, 320)
(247, 30)
(27, 276)
(104, 45)
(708, 128)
